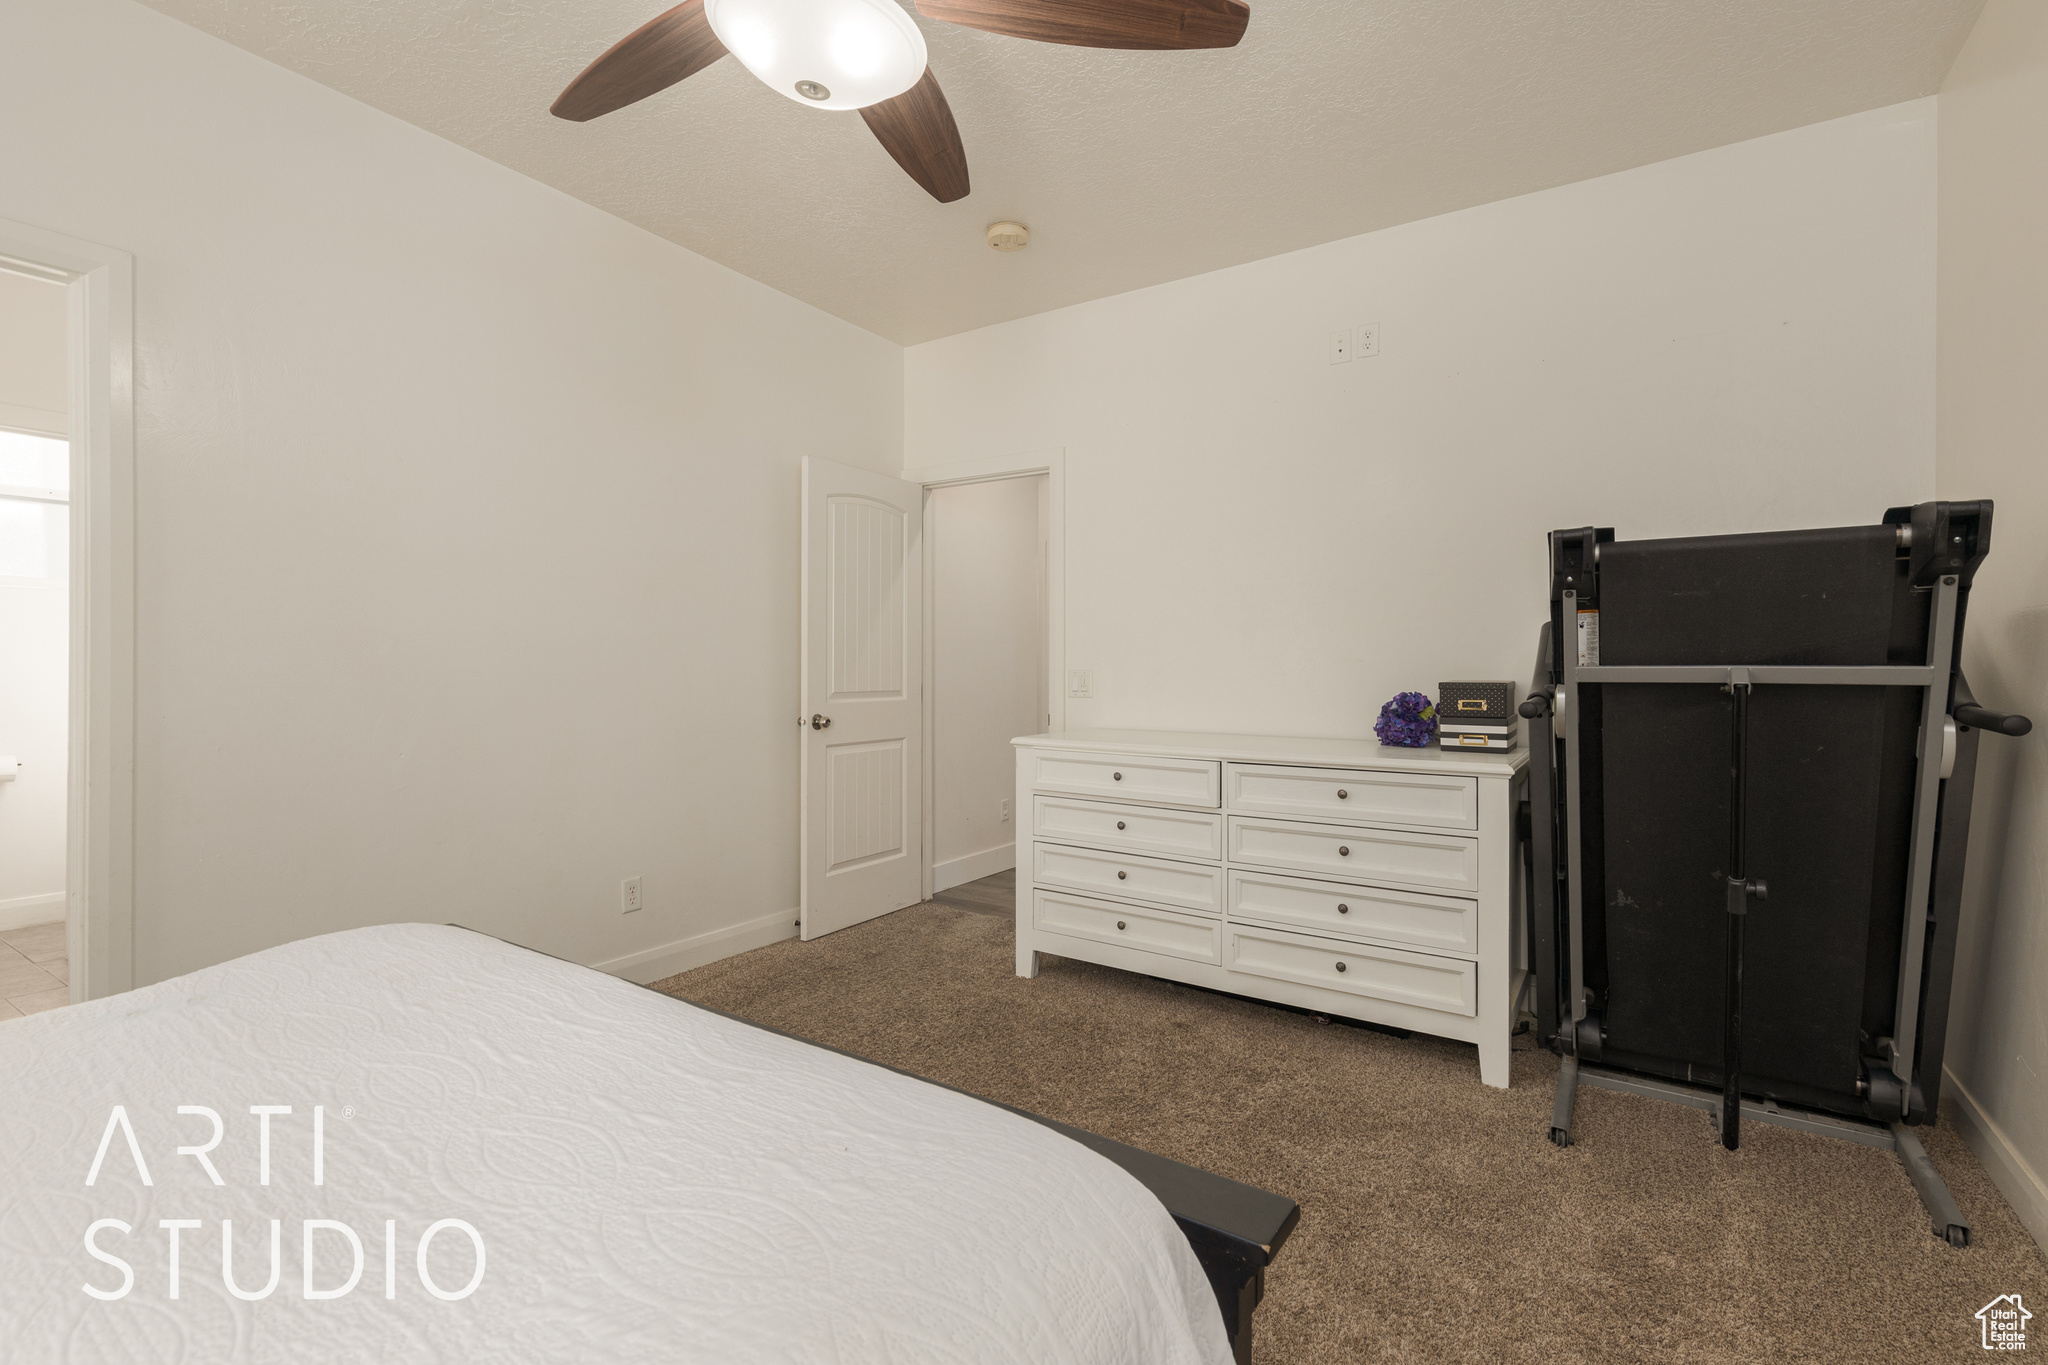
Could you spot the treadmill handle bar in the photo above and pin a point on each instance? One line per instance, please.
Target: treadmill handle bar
(1941, 639)
(1998, 722)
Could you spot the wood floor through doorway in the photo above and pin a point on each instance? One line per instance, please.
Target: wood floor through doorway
(995, 894)
(1437, 1224)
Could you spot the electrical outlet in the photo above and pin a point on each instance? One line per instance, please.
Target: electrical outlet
(1081, 683)
(1366, 341)
(629, 895)
(1006, 812)
(1340, 346)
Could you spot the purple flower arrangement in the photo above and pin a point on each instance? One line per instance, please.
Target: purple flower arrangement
(1408, 721)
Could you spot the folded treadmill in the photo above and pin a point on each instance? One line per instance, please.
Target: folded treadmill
(1751, 762)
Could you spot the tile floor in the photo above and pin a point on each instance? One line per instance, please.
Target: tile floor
(33, 970)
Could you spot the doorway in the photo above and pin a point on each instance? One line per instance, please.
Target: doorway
(96, 493)
(35, 628)
(990, 886)
(987, 552)
(866, 814)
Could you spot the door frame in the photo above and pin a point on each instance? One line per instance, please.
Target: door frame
(987, 469)
(100, 797)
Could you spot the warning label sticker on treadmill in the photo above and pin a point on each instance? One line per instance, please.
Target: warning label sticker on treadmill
(2005, 1323)
(1589, 638)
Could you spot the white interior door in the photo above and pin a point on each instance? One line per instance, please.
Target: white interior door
(862, 695)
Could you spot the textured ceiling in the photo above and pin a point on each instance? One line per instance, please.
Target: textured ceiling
(1334, 117)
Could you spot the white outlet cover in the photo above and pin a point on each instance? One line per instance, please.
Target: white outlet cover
(1366, 341)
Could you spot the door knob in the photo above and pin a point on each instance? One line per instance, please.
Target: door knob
(820, 722)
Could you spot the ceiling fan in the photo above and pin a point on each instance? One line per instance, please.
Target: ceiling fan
(869, 55)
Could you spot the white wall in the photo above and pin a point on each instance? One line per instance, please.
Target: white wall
(1261, 541)
(33, 383)
(988, 667)
(35, 626)
(467, 514)
(35, 635)
(1994, 444)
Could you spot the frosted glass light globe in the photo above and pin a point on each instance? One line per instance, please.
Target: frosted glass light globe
(828, 54)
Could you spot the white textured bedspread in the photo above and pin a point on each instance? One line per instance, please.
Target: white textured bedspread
(649, 1181)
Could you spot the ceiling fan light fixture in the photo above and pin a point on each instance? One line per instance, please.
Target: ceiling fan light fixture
(824, 54)
(1008, 236)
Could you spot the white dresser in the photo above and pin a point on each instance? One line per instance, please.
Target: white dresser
(1337, 875)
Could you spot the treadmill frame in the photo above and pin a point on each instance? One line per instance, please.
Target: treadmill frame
(1563, 1006)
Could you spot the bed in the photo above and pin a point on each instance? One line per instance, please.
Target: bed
(540, 1162)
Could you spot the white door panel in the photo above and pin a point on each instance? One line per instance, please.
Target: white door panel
(861, 695)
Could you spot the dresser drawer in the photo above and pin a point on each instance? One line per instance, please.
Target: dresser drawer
(1369, 855)
(1141, 829)
(1175, 781)
(1439, 922)
(1127, 926)
(1368, 798)
(1186, 886)
(1433, 983)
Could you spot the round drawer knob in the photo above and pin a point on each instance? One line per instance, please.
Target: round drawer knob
(1343, 851)
(1117, 776)
(1121, 875)
(1343, 795)
(1119, 824)
(1340, 966)
(1119, 924)
(1343, 909)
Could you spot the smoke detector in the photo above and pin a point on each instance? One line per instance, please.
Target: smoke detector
(1008, 236)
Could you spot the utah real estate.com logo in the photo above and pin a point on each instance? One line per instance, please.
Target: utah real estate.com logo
(2005, 1323)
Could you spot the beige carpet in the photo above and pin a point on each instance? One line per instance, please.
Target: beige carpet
(1437, 1223)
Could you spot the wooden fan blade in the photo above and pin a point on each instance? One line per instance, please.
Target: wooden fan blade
(917, 129)
(651, 58)
(1143, 25)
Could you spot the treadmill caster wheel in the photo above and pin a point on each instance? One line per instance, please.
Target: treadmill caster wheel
(1957, 1237)
(1562, 1137)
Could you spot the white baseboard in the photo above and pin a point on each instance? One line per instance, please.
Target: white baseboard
(700, 949)
(972, 868)
(2018, 1181)
(23, 911)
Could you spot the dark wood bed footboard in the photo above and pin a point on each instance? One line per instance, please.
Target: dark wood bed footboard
(1235, 1229)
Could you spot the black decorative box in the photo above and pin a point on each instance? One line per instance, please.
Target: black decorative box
(1475, 703)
